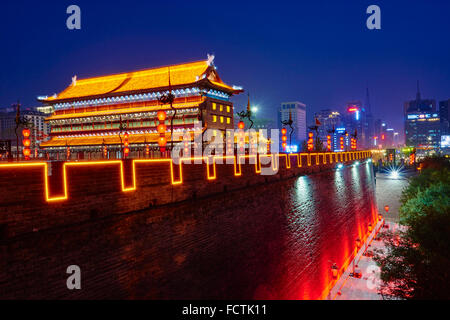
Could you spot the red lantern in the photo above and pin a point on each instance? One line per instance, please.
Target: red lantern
(162, 128)
(26, 152)
(162, 141)
(310, 141)
(386, 208)
(26, 132)
(283, 131)
(284, 138)
(26, 142)
(161, 115)
(126, 150)
(241, 125)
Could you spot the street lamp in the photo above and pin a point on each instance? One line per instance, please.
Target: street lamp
(334, 270)
(20, 120)
(358, 242)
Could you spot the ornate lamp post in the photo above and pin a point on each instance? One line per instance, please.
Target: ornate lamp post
(246, 114)
(168, 99)
(289, 123)
(19, 121)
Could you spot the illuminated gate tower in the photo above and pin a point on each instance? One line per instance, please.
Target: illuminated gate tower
(88, 114)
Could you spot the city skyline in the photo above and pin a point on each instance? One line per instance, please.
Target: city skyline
(276, 54)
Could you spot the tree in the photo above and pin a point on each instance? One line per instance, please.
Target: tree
(417, 262)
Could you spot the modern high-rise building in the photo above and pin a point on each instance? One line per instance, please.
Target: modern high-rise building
(355, 122)
(297, 111)
(444, 114)
(369, 123)
(419, 104)
(422, 123)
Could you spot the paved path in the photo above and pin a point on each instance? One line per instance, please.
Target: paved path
(347, 287)
(365, 287)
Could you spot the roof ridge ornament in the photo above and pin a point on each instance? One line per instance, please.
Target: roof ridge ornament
(210, 61)
(74, 80)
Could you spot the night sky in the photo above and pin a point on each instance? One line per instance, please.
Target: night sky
(316, 52)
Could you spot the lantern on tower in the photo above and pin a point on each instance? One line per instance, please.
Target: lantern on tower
(310, 141)
(341, 142)
(284, 139)
(162, 141)
(26, 143)
(353, 143)
(126, 144)
(328, 143)
(241, 136)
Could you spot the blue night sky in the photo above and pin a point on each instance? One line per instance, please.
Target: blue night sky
(317, 52)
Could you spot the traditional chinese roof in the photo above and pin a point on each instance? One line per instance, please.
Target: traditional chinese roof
(144, 80)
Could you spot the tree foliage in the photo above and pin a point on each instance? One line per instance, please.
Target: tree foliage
(417, 262)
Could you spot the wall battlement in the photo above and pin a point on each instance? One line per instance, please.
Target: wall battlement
(41, 195)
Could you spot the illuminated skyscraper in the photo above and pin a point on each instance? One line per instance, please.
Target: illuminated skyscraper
(298, 113)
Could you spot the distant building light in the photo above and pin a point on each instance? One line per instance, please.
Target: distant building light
(292, 148)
